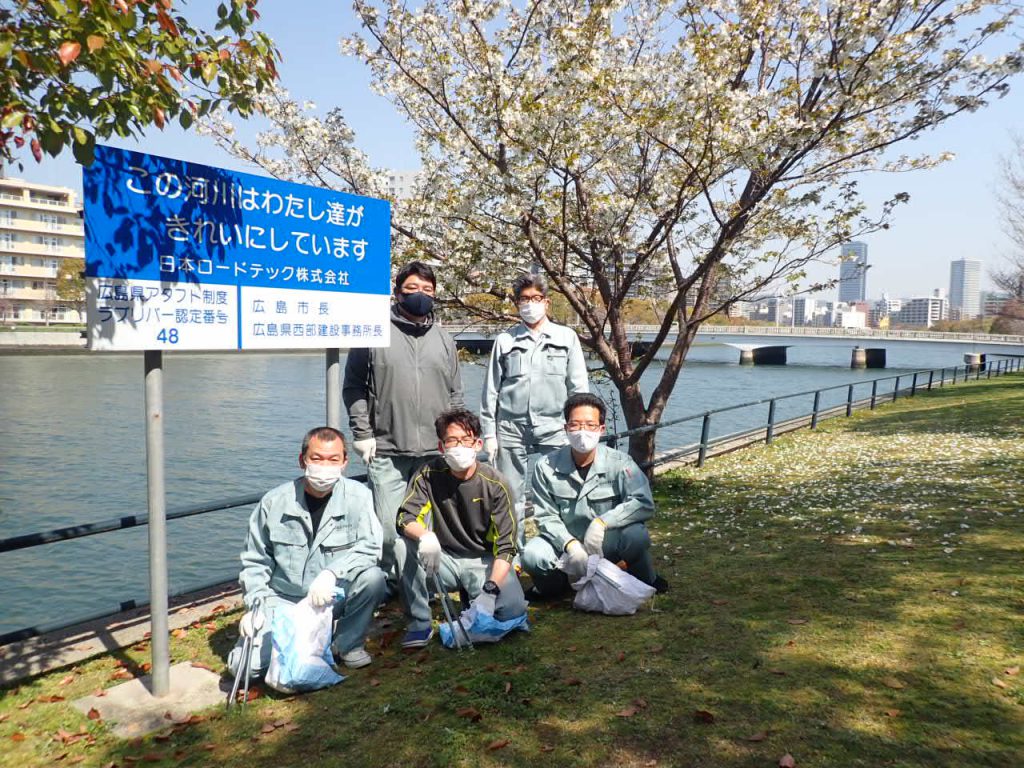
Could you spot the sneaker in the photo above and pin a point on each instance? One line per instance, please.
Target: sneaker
(356, 658)
(417, 638)
(660, 585)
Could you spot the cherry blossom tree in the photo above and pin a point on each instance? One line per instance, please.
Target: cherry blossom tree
(713, 146)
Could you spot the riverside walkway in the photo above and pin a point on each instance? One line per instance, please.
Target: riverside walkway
(849, 597)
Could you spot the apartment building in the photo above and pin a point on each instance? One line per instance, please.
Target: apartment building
(40, 226)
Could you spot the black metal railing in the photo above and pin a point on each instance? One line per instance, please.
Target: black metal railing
(698, 451)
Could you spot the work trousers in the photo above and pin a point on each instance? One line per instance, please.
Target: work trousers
(456, 573)
(352, 618)
(517, 446)
(389, 478)
(631, 543)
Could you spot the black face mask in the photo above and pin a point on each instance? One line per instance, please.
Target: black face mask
(416, 304)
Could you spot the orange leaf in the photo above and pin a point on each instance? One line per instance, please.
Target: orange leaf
(201, 665)
(224, 54)
(498, 744)
(67, 680)
(68, 52)
(719, 602)
(374, 682)
(572, 681)
(94, 714)
(999, 683)
(759, 736)
(627, 712)
(893, 712)
(18, 736)
(268, 728)
(470, 713)
(787, 761)
(179, 633)
(1011, 671)
(703, 716)
(95, 42)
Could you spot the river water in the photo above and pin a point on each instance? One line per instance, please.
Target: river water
(72, 451)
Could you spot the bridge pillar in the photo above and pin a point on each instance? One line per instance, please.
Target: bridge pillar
(763, 356)
(974, 361)
(875, 357)
(859, 358)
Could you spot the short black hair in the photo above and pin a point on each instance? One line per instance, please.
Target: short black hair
(465, 419)
(326, 434)
(584, 399)
(418, 268)
(523, 282)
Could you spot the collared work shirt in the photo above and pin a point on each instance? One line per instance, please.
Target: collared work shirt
(283, 554)
(530, 376)
(565, 503)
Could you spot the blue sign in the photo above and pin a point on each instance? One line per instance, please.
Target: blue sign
(187, 256)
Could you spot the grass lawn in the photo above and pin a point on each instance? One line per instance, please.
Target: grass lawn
(848, 597)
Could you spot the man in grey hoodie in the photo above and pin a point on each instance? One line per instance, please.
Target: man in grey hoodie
(393, 394)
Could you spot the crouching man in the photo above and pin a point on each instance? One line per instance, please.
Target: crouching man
(588, 499)
(307, 538)
(457, 521)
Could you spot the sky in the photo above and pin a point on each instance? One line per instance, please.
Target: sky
(952, 213)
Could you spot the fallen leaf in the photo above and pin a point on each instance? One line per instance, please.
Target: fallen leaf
(892, 682)
(76, 759)
(498, 744)
(796, 622)
(640, 703)
(67, 680)
(787, 761)
(627, 712)
(121, 674)
(4, 716)
(508, 687)
(179, 633)
(572, 681)
(719, 602)
(657, 649)
(893, 712)
(94, 714)
(291, 727)
(99, 692)
(461, 689)
(146, 666)
(572, 649)
(546, 748)
(26, 705)
(201, 665)
(374, 682)
(18, 736)
(210, 625)
(776, 671)
(209, 747)
(152, 757)
(703, 716)
(759, 736)
(268, 728)
(470, 713)
(254, 693)
(281, 723)
(998, 683)
(161, 738)
(621, 656)
(49, 699)
(1012, 671)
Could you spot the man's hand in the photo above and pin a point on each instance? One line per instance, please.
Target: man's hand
(593, 539)
(491, 448)
(366, 449)
(321, 591)
(575, 560)
(430, 552)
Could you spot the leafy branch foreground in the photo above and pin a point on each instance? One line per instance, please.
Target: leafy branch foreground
(850, 597)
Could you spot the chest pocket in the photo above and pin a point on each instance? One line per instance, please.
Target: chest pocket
(602, 500)
(512, 363)
(341, 538)
(556, 360)
(291, 547)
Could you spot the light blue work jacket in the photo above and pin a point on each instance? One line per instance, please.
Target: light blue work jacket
(282, 558)
(529, 378)
(564, 504)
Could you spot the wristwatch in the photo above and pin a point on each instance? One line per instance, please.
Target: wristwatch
(491, 588)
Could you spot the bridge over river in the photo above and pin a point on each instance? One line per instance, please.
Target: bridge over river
(760, 344)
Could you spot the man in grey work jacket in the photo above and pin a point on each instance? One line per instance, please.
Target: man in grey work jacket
(589, 499)
(534, 367)
(307, 538)
(393, 395)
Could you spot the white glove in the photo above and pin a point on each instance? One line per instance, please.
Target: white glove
(491, 448)
(430, 552)
(484, 603)
(366, 449)
(321, 591)
(593, 539)
(575, 559)
(247, 626)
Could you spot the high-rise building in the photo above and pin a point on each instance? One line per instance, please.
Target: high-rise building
(402, 184)
(923, 310)
(965, 288)
(40, 227)
(853, 272)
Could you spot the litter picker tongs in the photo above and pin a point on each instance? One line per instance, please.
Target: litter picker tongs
(453, 624)
(244, 670)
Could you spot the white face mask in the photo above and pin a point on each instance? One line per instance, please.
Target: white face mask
(460, 458)
(584, 441)
(533, 312)
(323, 477)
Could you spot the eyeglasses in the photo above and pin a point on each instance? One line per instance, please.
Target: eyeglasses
(589, 426)
(532, 299)
(466, 441)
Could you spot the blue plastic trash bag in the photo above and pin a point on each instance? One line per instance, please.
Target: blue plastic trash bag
(482, 627)
(301, 657)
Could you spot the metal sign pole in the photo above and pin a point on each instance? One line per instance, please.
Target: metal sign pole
(333, 388)
(157, 522)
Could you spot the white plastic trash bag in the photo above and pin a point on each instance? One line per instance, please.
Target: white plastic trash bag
(301, 657)
(606, 588)
(481, 627)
